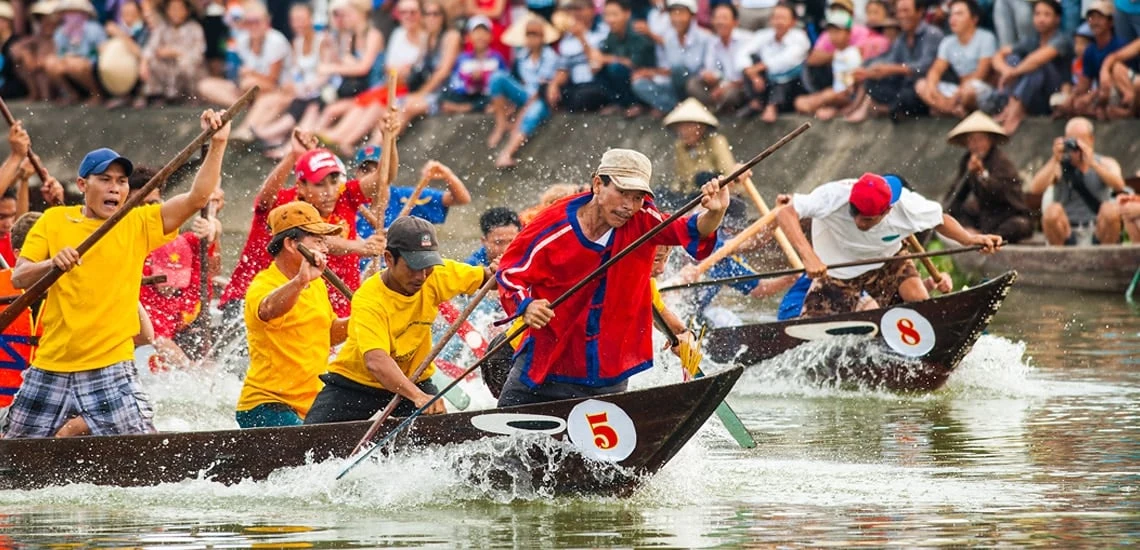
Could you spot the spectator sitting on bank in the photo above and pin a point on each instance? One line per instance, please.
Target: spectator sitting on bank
(877, 17)
(719, 84)
(1081, 40)
(499, 226)
(968, 52)
(1034, 69)
(772, 62)
(654, 22)
(498, 15)
(1013, 21)
(1130, 214)
(847, 58)
(471, 79)
(622, 56)
(1118, 74)
(890, 79)
(430, 76)
(11, 86)
(516, 93)
(988, 197)
(1083, 182)
(574, 87)
(1082, 100)
(679, 58)
(263, 52)
(174, 57)
(77, 41)
(870, 45)
(31, 53)
(120, 57)
(699, 148)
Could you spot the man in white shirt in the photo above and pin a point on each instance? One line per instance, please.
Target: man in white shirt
(719, 84)
(679, 57)
(771, 65)
(863, 219)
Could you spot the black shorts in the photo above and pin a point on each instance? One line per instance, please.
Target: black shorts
(343, 400)
(298, 107)
(478, 102)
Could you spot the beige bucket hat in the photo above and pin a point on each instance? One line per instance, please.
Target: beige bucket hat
(691, 110)
(75, 5)
(630, 170)
(976, 122)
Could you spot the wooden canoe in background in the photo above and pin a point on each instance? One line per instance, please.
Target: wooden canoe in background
(1100, 268)
(637, 431)
(909, 347)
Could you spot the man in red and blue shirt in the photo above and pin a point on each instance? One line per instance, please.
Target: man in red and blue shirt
(601, 335)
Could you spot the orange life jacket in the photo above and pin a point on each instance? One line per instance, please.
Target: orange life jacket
(17, 344)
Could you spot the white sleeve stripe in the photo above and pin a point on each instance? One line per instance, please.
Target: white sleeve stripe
(504, 278)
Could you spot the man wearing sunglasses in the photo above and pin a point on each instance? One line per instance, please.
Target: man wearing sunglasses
(861, 219)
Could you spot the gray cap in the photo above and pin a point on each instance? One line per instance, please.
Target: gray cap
(415, 239)
(629, 169)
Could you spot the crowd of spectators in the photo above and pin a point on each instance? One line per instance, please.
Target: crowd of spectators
(327, 66)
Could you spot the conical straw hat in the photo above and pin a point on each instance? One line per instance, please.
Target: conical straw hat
(691, 110)
(118, 67)
(515, 35)
(976, 122)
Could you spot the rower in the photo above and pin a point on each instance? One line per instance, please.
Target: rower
(290, 323)
(500, 226)
(84, 361)
(861, 219)
(561, 354)
(321, 183)
(389, 331)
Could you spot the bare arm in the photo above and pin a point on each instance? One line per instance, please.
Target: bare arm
(360, 66)
(1110, 173)
(450, 49)
(999, 62)
(934, 75)
(385, 370)
(180, 208)
(18, 145)
(146, 329)
(456, 194)
(789, 221)
(1035, 60)
(981, 73)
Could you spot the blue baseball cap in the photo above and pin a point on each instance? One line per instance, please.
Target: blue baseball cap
(99, 160)
(368, 153)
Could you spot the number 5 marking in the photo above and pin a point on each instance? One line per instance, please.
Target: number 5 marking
(605, 437)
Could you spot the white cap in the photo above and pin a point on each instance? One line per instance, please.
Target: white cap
(690, 5)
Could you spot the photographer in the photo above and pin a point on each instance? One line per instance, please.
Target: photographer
(1083, 183)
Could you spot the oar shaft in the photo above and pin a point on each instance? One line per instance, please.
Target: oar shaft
(408, 206)
(781, 238)
(926, 261)
(730, 246)
(32, 158)
(782, 272)
(328, 274)
(36, 291)
(379, 418)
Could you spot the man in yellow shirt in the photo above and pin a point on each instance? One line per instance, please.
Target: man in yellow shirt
(84, 364)
(290, 323)
(389, 330)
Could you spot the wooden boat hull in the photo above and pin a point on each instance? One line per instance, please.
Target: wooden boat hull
(909, 347)
(637, 431)
(1099, 268)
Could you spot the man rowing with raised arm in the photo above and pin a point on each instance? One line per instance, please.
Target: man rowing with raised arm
(600, 336)
(290, 323)
(389, 330)
(84, 364)
(863, 219)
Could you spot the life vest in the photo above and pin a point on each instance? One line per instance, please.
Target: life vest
(17, 344)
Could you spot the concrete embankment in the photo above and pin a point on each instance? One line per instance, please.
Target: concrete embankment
(566, 149)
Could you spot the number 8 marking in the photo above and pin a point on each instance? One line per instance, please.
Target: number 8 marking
(605, 437)
(908, 335)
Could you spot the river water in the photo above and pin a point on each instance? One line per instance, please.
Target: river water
(1035, 441)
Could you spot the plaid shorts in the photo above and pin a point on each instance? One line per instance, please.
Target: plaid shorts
(829, 296)
(107, 399)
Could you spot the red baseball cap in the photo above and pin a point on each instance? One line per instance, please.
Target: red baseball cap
(314, 165)
(871, 195)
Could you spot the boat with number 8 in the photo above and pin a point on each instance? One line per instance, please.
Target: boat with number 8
(909, 347)
(605, 445)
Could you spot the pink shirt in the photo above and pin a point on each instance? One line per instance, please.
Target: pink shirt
(871, 44)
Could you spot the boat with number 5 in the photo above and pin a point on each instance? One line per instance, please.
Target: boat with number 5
(909, 347)
(605, 445)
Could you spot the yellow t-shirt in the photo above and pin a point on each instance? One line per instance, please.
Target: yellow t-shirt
(286, 354)
(400, 325)
(91, 313)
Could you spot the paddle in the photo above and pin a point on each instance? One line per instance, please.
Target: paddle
(408, 206)
(782, 272)
(735, 242)
(328, 274)
(37, 290)
(148, 280)
(33, 158)
(203, 320)
(383, 193)
(916, 246)
(379, 418)
(578, 286)
(781, 238)
(727, 416)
